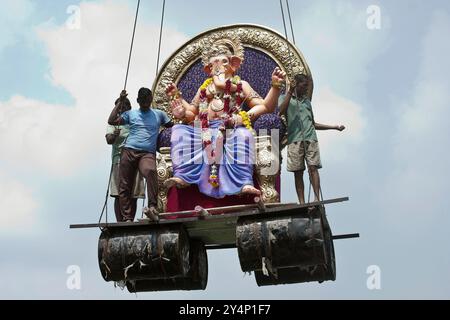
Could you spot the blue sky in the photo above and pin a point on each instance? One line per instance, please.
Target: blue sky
(389, 86)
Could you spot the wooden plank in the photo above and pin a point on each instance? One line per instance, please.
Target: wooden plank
(232, 245)
(222, 210)
(236, 212)
(221, 246)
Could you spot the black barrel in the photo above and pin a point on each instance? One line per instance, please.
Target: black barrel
(317, 273)
(283, 241)
(152, 252)
(196, 279)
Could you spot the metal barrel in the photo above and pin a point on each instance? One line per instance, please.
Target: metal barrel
(317, 273)
(281, 241)
(196, 279)
(150, 252)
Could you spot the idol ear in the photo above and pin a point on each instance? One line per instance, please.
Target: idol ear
(208, 69)
(235, 62)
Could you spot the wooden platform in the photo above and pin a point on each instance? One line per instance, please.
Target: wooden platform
(217, 229)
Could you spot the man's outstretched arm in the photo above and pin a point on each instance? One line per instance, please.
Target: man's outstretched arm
(320, 126)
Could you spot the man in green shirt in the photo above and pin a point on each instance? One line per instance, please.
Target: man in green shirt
(302, 137)
(116, 136)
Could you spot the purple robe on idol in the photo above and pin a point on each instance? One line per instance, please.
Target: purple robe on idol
(235, 158)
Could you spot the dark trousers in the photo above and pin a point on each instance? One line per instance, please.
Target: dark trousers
(118, 209)
(131, 161)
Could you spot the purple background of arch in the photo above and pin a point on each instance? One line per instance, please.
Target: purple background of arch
(257, 70)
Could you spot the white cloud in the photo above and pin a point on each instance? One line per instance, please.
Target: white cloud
(41, 135)
(331, 109)
(338, 45)
(90, 64)
(419, 180)
(18, 207)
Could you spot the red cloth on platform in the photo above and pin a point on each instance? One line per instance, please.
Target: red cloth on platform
(188, 198)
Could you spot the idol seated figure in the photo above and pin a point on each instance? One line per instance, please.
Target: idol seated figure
(214, 147)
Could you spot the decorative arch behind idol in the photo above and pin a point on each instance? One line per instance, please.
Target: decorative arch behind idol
(264, 50)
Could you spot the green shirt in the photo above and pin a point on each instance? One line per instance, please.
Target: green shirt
(120, 141)
(300, 120)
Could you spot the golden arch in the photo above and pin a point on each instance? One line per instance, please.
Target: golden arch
(270, 42)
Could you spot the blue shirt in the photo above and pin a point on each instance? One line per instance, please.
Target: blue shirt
(144, 128)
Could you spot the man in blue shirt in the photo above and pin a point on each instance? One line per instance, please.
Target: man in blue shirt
(139, 152)
(116, 136)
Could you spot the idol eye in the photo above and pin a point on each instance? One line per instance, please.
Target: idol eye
(225, 61)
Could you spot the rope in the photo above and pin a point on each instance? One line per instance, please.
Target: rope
(293, 39)
(321, 194)
(105, 205)
(290, 21)
(160, 36)
(157, 71)
(132, 43)
(145, 198)
(284, 20)
(309, 191)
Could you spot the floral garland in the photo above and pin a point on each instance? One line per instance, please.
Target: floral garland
(229, 110)
(247, 122)
(214, 176)
(206, 84)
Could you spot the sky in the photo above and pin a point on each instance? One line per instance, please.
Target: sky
(388, 85)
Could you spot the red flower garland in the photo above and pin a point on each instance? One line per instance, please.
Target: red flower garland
(238, 95)
(228, 122)
(227, 96)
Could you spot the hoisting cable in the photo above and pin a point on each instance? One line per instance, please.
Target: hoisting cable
(290, 21)
(144, 199)
(290, 53)
(160, 37)
(105, 205)
(284, 20)
(157, 71)
(132, 44)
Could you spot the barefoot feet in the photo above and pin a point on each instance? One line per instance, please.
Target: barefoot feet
(175, 182)
(251, 190)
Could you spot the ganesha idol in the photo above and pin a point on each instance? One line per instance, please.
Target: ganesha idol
(214, 146)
